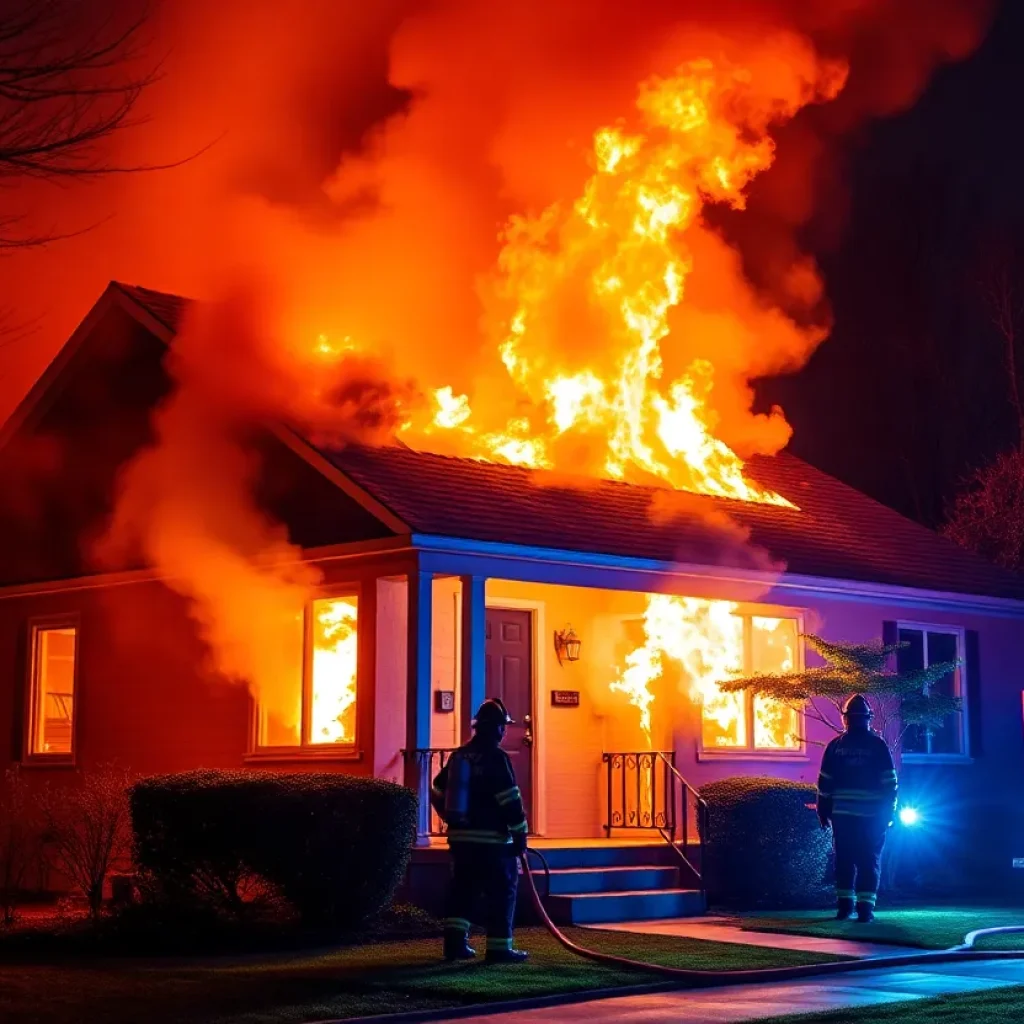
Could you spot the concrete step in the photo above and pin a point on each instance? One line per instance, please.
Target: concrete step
(607, 855)
(571, 881)
(639, 905)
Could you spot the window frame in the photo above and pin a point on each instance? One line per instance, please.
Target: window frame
(748, 752)
(304, 750)
(962, 690)
(36, 626)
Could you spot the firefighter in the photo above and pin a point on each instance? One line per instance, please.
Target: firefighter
(857, 795)
(475, 793)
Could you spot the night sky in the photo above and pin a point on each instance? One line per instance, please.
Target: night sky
(910, 392)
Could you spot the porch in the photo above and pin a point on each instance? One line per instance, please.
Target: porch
(581, 881)
(596, 750)
(610, 765)
(611, 738)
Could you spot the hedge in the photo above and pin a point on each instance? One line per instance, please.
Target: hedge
(335, 847)
(764, 847)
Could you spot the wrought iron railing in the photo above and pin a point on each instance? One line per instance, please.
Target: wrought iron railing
(641, 791)
(428, 762)
(693, 818)
(645, 792)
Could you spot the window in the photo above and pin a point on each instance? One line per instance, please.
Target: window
(315, 708)
(51, 733)
(742, 721)
(930, 645)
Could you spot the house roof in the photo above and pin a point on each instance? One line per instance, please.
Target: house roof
(167, 308)
(835, 532)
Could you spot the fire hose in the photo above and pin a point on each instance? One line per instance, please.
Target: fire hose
(964, 952)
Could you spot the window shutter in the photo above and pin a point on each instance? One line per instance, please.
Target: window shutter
(890, 634)
(972, 682)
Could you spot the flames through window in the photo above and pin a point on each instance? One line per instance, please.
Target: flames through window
(707, 642)
(333, 669)
(317, 707)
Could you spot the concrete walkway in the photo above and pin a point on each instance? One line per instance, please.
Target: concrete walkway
(752, 1002)
(722, 929)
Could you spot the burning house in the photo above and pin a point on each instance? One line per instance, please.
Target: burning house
(441, 579)
(318, 535)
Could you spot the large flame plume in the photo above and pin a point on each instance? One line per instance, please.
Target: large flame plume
(614, 264)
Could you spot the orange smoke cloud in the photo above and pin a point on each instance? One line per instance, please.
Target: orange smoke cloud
(185, 503)
(185, 506)
(404, 179)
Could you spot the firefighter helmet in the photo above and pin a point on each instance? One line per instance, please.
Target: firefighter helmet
(492, 713)
(857, 707)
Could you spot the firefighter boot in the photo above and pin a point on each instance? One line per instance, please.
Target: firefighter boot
(456, 945)
(865, 911)
(506, 956)
(844, 908)
(500, 951)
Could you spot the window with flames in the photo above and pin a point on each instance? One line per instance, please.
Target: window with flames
(316, 708)
(706, 642)
(742, 721)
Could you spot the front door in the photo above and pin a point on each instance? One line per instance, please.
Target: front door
(509, 676)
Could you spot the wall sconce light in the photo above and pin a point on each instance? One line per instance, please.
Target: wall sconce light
(567, 645)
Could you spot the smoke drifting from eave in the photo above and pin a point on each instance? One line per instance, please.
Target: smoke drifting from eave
(185, 503)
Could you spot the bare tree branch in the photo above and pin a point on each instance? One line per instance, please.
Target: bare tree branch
(88, 829)
(13, 331)
(66, 84)
(987, 516)
(1002, 294)
(71, 74)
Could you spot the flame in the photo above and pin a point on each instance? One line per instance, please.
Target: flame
(335, 658)
(775, 725)
(706, 639)
(700, 136)
(452, 410)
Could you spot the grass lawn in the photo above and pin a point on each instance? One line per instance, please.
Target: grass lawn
(925, 927)
(385, 978)
(997, 1006)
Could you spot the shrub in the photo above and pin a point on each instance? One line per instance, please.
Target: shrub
(764, 847)
(86, 829)
(189, 835)
(335, 847)
(19, 841)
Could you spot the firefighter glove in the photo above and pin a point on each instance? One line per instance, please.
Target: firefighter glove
(518, 843)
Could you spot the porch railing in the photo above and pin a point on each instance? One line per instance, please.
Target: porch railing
(429, 761)
(646, 792)
(641, 791)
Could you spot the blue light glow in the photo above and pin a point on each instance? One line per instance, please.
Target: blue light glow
(909, 816)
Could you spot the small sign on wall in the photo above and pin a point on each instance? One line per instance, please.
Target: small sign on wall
(444, 701)
(1018, 862)
(565, 698)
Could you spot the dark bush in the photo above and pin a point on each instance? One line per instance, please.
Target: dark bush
(335, 847)
(764, 847)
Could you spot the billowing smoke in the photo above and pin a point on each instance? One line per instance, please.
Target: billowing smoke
(366, 163)
(186, 502)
